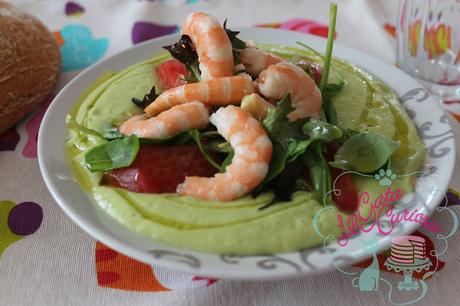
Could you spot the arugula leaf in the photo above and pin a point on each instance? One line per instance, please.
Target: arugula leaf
(329, 91)
(195, 134)
(297, 148)
(227, 161)
(332, 89)
(291, 139)
(316, 130)
(364, 152)
(319, 132)
(286, 183)
(218, 146)
(329, 110)
(114, 154)
(320, 174)
(148, 98)
(236, 42)
(209, 134)
(281, 132)
(278, 125)
(184, 51)
(195, 72)
(277, 163)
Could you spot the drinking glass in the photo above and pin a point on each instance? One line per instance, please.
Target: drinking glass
(428, 44)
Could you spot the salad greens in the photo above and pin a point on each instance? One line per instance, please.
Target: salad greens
(114, 154)
(298, 160)
(320, 174)
(195, 134)
(232, 35)
(237, 44)
(227, 161)
(148, 98)
(291, 139)
(286, 137)
(364, 152)
(184, 52)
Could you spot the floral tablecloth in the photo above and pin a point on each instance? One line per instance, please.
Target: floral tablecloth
(45, 259)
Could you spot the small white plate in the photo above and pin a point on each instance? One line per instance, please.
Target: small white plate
(430, 120)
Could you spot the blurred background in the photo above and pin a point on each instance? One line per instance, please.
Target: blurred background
(366, 25)
(87, 31)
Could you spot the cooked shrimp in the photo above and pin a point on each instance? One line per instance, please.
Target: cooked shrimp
(256, 105)
(221, 91)
(179, 118)
(255, 60)
(253, 152)
(212, 45)
(280, 79)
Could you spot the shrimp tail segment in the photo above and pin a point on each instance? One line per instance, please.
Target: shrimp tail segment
(212, 45)
(179, 118)
(221, 91)
(249, 166)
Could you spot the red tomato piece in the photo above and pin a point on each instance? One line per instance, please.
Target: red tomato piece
(331, 150)
(159, 169)
(171, 72)
(348, 198)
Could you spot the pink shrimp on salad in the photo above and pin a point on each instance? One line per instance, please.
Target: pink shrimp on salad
(282, 78)
(178, 119)
(256, 60)
(212, 45)
(249, 166)
(220, 91)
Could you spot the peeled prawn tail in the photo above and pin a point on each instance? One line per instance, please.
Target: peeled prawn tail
(221, 91)
(212, 45)
(255, 60)
(252, 154)
(179, 118)
(282, 78)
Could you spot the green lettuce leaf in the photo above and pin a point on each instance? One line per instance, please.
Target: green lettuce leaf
(320, 174)
(114, 154)
(291, 139)
(364, 152)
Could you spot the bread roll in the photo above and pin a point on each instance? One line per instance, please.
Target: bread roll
(29, 64)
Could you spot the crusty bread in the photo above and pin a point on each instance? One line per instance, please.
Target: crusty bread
(29, 64)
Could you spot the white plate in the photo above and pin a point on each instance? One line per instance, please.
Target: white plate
(430, 120)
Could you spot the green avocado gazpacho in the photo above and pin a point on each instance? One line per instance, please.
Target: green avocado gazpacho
(222, 146)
